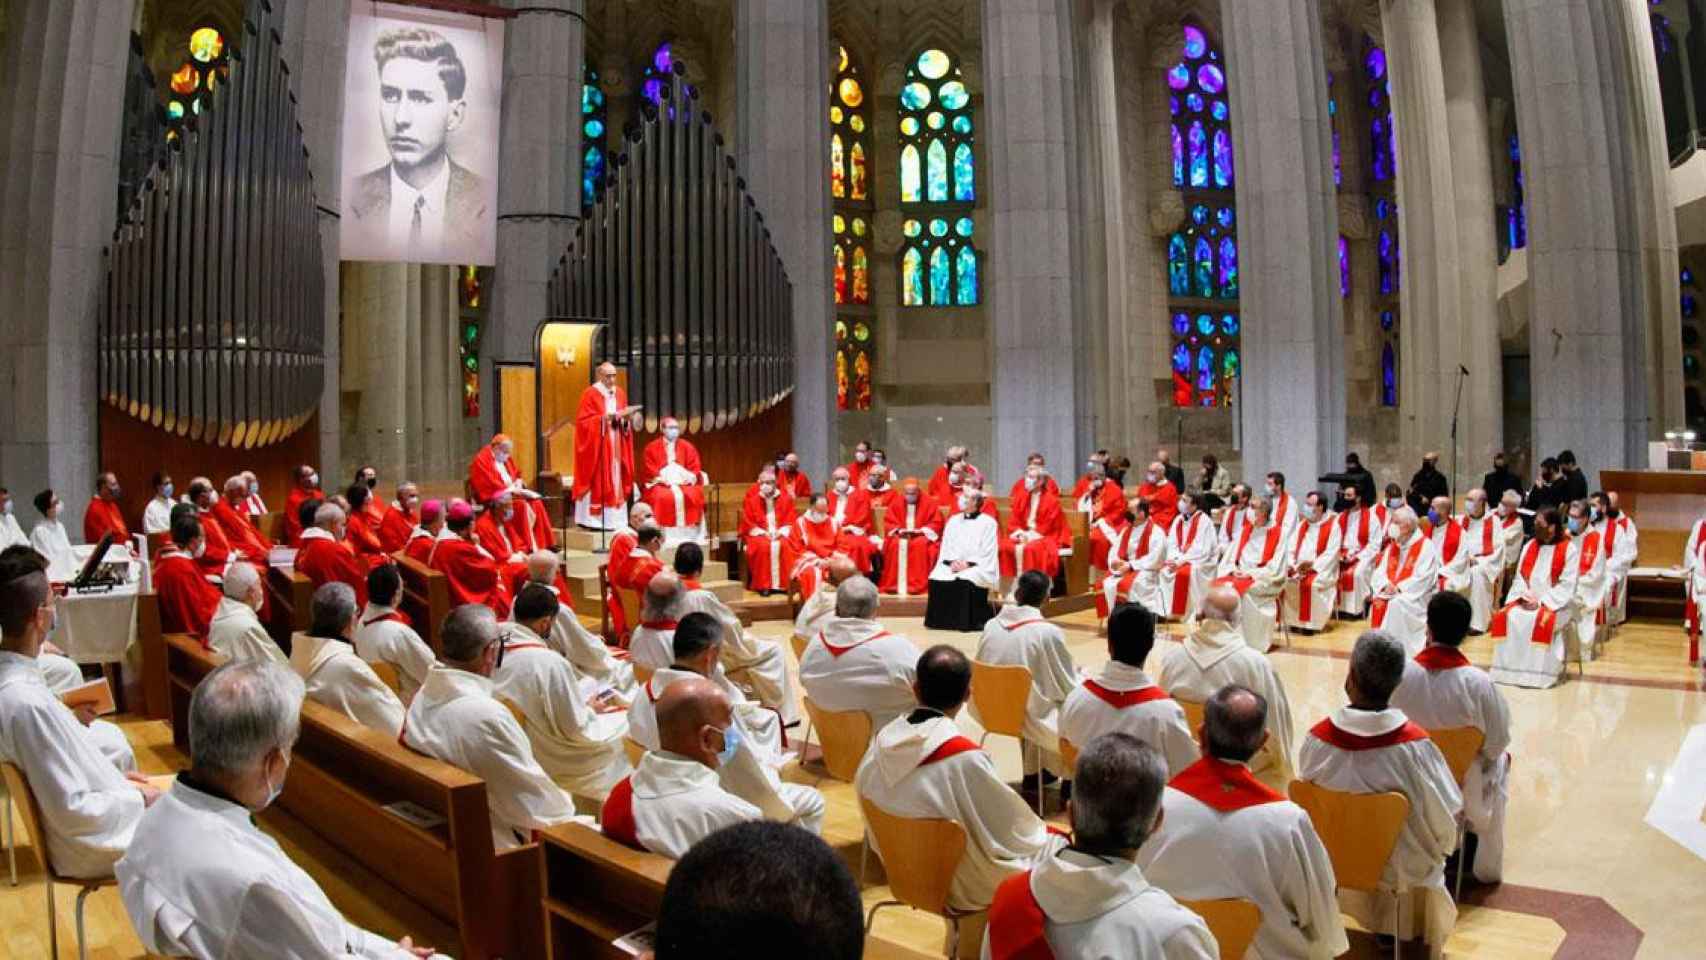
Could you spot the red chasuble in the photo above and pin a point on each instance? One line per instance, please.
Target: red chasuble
(487, 481)
(187, 600)
(243, 534)
(102, 517)
(920, 550)
(394, 530)
(419, 549)
(472, 575)
(660, 495)
(1017, 922)
(604, 455)
(323, 560)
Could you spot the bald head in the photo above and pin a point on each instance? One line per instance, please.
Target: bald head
(1234, 724)
(840, 568)
(1221, 604)
(663, 597)
(639, 515)
(684, 711)
(1441, 506)
(542, 566)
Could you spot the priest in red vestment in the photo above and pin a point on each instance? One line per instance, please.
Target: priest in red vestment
(472, 575)
(187, 598)
(790, 479)
(423, 538)
(216, 553)
(400, 518)
(307, 487)
(604, 452)
(1035, 463)
(861, 464)
(361, 533)
(492, 532)
(850, 508)
(813, 535)
(325, 556)
(1162, 497)
(104, 515)
(912, 528)
(1036, 527)
(1102, 498)
(765, 518)
(232, 515)
(944, 487)
(1097, 465)
(674, 480)
(641, 562)
(492, 471)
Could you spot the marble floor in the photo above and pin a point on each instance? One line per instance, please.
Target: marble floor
(1606, 854)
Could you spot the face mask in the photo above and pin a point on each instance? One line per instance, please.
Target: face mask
(1393, 532)
(731, 744)
(965, 504)
(1031, 481)
(115, 493)
(672, 433)
(1152, 478)
(166, 492)
(1317, 512)
(500, 456)
(508, 514)
(1269, 490)
(200, 548)
(1395, 502)
(1090, 466)
(1575, 524)
(1433, 517)
(6, 508)
(767, 490)
(254, 488)
(791, 467)
(860, 456)
(411, 504)
(272, 792)
(313, 480)
(1187, 508)
(841, 486)
(372, 482)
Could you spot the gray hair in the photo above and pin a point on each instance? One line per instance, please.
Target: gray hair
(240, 712)
(1260, 503)
(240, 580)
(333, 609)
(670, 606)
(1116, 793)
(1404, 515)
(236, 483)
(856, 597)
(1511, 497)
(1377, 663)
(466, 633)
(328, 515)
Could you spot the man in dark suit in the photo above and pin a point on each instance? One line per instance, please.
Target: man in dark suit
(422, 204)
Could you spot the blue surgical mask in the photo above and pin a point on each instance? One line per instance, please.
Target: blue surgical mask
(1575, 525)
(166, 492)
(1395, 502)
(254, 488)
(731, 744)
(1433, 517)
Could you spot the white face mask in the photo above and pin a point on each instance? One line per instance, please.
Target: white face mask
(200, 548)
(254, 489)
(1394, 531)
(1395, 502)
(6, 508)
(508, 513)
(500, 455)
(313, 480)
(1030, 481)
(166, 491)
(860, 456)
(767, 490)
(671, 433)
(273, 792)
(1152, 478)
(965, 504)
(841, 485)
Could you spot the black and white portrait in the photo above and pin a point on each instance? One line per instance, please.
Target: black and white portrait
(422, 94)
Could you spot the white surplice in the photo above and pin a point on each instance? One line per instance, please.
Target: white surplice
(339, 678)
(1120, 698)
(381, 638)
(1134, 574)
(1406, 585)
(202, 880)
(1456, 694)
(1517, 658)
(11, 534)
(157, 516)
(1191, 561)
(1315, 543)
(1002, 834)
(235, 633)
(678, 802)
(1417, 770)
(1214, 655)
(1258, 605)
(1484, 541)
(817, 610)
(1621, 549)
(974, 540)
(580, 749)
(1019, 636)
(590, 654)
(1262, 849)
(457, 718)
(1101, 907)
(855, 664)
(1593, 587)
(50, 540)
(749, 658)
(89, 810)
(1362, 533)
(652, 646)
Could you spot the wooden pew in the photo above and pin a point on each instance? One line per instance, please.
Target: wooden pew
(596, 890)
(341, 778)
(291, 598)
(426, 597)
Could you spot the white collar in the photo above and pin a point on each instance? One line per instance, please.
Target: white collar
(1123, 677)
(315, 533)
(665, 774)
(445, 683)
(1072, 886)
(436, 191)
(309, 653)
(1368, 723)
(1211, 641)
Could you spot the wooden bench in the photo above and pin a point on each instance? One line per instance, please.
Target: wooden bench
(343, 775)
(426, 597)
(290, 596)
(596, 890)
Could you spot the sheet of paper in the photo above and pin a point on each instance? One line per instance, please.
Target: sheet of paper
(638, 941)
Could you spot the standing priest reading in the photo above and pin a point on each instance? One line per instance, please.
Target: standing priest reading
(604, 452)
(966, 569)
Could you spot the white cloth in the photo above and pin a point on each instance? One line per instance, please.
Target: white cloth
(1407, 607)
(1466, 697)
(652, 646)
(1694, 563)
(1359, 554)
(378, 640)
(752, 774)
(97, 627)
(1214, 655)
(1258, 606)
(580, 749)
(50, 540)
(157, 516)
(1307, 546)
(1019, 636)
(456, 718)
(1160, 723)
(854, 664)
(1268, 854)
(235, 633)
(818, 610)
(1593, 589)
(749, 658)
(1192, 542)
(590, 654)
(1485, 567)
(1517, 659)
(1002, 834)
(1142, 560)
(974, 540)
(336, 677)
(89, 810)
(11, 534)
(202, 880)
(1417, 770)
(1620, 559)
(430, 199)
(1105, 908)
(679, 802)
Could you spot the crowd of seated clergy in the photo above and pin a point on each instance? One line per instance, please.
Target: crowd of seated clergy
(333, 673)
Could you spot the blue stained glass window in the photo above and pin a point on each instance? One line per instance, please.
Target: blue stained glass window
(1689, 306)
(1178, 157)
(1196, 43)
(1179, 77)
(1194, 102)
(1388, 275)
(964, 180)
(1387, 320)
(1229, 324)
(1206, 376)
(1181, 323)
(1687, 275)
(592, 138)
(1178, 269)
(1228, 267)
(1181, 358)
(1388, 377)
(1198, 141)
(1225, 216)
(939, 278)
(1199, 214)
(936, 172)
(1229, 364)
(1211, 78)
(938, 167)
(966, 282)
(1219, 111)
(1205, 324)
(1222, 158)
(912, 278)
(1203, 260)
(655, 76)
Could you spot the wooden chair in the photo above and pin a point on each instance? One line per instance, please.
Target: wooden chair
(1360, 831)
(635, 750)
(19, 788)
(920, 857)
(1460, 745)
(1193, 713)
(999, 692)
(799, 642)
(1233, 922)
(844, 736)
(1069, 753)
(388, 673)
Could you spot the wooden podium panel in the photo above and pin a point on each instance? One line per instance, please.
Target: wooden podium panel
(1664, 505)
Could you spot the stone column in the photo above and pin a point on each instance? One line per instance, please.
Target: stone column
(781, 147)
(62, 81)
(539, 176)
(1028, 144)
(1292, 404)
(1602, 238)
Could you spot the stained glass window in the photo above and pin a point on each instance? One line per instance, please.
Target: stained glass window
(849, 185)
(470, 283)
(1202, 254)
(1383, 158)
(1333, 122)
(1344, 267)
(1516, 217)
(594, 158)
(654, 77)
(939, 263)
(1390, 259)
(938, 185)
(189, 86)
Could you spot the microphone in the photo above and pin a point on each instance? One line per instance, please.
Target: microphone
(1463, 369)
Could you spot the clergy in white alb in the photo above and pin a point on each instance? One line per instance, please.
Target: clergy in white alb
(456, 717)
(967, 567)
(1621, 543)
(576, 733)
(1214, 656)
(1531, 630)
(49, 538)
(90, 804)
(202, 879)
(1094, 898)
(1134, 564)
(335, 675)
(1593, 583)
(1312, 566)
(11, 534)
(1254, 565)
(1694, 577)
(819, 608)
(1483, 540)
(662, 605)
(1441, 690)
(1446, 533)
(1362, 533)
(920, 766)
(1286, 514)
(1192, 549)
(1372, 747)
(590, 655)
(1019, 636)
(157, 515)
(384, 635)
(1124, 698)
(1405, 576)
(748, 659)
(1229, 521)
(853, 663)
(235, 632)
(1230, 836)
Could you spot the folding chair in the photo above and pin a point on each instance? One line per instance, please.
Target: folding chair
(920, 857)
(19, 787)
(1000, 692)
(1460, 745)
(1360, 831)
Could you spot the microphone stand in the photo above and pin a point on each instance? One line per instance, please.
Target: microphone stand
(1456, 403)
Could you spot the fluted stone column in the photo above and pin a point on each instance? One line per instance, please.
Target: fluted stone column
(1292, 407)
(539, 175)
(62, 81)
(1602, 239)
(781, 145)
(1039, 373)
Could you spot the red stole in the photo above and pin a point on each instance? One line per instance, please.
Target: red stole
(1306, 586)
(1547, 619)
(1016, 922)
(1486, 535)
(1453, 539)
(1590, 551)
(836, 651)
(1121, 699)
(1242, 583)
(617, 816)
(658, 624)
(952, 747)
(1182, 571)
(1326, 732)
(1435, 657)
(1224, 786)
(1395, 575)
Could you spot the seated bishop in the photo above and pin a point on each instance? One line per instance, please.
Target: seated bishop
(850, 507)
(749, 660)
(383, 634)
(766, 518)
(472, 574)
(1228, 835)
(1134, 564)
(325, 557)
(1312, 566)
(1098, 497)
(1620, 541)
(1123, 697)
(912, 533)
(424, 537)
(235, 632)
(493, 471)
(1362, 533)
(1485, 546)
(400, 519)
(1095, 897)
(1531, 631)
(1254, 565)
(853, 662)
(1405, 576)
(1372, 747)
(622, 544)
(1191, 564)
(333, 673)
(1019, 636)
(814, 538)
(591, 656)
(674, 480)
(1036, 528)
(492, 532)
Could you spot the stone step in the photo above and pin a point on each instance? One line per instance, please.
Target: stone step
(727, 591)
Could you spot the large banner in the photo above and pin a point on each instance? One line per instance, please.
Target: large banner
(422, 93)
